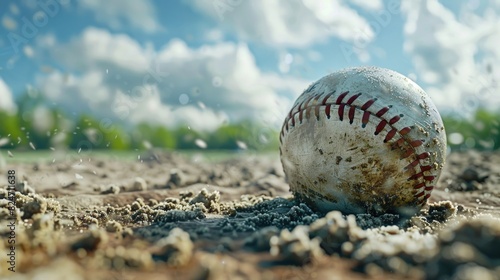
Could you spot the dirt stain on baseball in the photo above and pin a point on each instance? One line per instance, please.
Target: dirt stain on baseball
(338, 159)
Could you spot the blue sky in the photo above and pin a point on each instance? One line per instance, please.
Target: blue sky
(217, 61)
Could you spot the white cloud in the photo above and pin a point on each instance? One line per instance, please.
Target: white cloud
(151, 109)
(28, 51)
(46, 41)
(451, 53)
(314, 55)
(119, 13)
(214, 35)
(289, 23)
(375, 5)
(90, 93)
(142, 84)
(102, 49)
(6, 102)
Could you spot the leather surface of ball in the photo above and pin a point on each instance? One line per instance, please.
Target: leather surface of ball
(363, 139)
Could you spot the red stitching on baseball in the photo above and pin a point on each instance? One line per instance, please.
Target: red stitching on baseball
(341, 96)
(419, 186)
(390, 135)
(407, 153)
(423, 155)
(309, 100)
(429, 178)
(416, 143)
(382, 111)
(413, 164)
(308, 112)
(351, 114)
(380, 126)
(422, 196)
(365, 119)
(421, 174)
(398, 144)
(341, 112)
(425, 168)
(316, 112)
(327, 97)
(416, 176)
(368, 104)
(353, 98)
(395, 119)
(327, 110)
(405, 130)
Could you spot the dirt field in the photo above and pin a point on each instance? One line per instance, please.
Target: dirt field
(165, 216)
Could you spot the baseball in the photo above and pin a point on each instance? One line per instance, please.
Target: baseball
(363, 140)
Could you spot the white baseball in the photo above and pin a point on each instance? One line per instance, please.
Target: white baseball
(363, 139)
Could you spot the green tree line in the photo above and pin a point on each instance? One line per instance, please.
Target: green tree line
(41, 127)
(482, 132)
(30, 127)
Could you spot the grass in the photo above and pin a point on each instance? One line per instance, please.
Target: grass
(27, 156)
